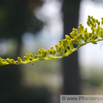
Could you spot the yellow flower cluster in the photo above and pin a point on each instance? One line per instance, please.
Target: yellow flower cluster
(65, 47)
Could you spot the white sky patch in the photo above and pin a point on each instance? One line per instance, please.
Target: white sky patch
(4, 49)
(90, 54)
(50, 14)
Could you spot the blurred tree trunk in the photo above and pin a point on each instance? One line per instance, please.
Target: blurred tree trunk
(71, 75)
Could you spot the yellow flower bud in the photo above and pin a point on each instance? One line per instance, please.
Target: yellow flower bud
(67, 37)
(36, 56)
(19, 59)
(44, 53)
(94, 42)
(8, 60)
(102, 22)
(91, 17)
(31, 55)
(12, 61)
(56, 45)
(0, 59)
(89, 35)
(85, 31)
(39, 51)
(27, 56)
(42, 49)
(98, 23)
(30, 58)
(51, 48)
(88, 16)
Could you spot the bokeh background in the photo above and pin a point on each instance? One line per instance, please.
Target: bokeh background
(28, 25)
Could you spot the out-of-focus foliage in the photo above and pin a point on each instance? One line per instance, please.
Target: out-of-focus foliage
(16, 17)
(95, 78)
